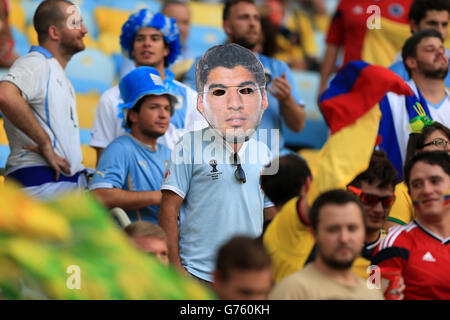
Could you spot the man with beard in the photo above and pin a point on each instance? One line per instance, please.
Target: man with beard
(337, 221)
(131, 169)
(423, 14)
(289, 241)
(425, 60)
(38, 102)
(242, 24)
(212, 183)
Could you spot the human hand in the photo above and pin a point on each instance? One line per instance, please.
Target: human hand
(393, 288)
(56, 162)
(280, 88)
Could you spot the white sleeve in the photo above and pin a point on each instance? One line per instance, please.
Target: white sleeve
(105, 122)
(171, 137)
(194, 119)
(30, 74)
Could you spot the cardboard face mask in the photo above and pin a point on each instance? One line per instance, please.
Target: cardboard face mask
(233, 103)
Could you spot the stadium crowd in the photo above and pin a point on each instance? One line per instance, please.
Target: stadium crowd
(193, 164)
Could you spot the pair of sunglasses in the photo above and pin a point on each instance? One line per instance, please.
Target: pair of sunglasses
(239, 174)
(371, 200)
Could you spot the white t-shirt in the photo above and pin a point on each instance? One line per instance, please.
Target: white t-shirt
(45, 87)
(108, 126)
(440, 113)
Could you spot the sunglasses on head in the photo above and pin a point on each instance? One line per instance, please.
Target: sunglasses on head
(371, 200)
(239, 174)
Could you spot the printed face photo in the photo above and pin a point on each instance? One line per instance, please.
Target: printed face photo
(232, 103)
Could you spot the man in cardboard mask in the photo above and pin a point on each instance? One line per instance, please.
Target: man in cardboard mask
(212, 182)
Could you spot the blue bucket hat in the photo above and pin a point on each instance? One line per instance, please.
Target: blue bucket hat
(146, 18)
(140, 82)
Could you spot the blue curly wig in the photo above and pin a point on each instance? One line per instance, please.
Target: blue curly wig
(146, 18)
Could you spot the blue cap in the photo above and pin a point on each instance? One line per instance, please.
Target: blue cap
(145, 18)
(138, 83)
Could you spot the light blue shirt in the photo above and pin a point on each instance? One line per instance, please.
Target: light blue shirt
(216, 206)
(272, 117)
(399, 68)
(131, 165)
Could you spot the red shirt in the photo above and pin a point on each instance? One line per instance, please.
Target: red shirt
(422, 257)
(349, 24)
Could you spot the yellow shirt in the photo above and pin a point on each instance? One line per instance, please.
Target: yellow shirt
(402, 211)
(289, 242)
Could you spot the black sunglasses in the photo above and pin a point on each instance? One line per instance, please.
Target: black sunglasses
(239, 174)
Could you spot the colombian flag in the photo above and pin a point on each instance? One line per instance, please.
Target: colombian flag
(447, 197)
(350, 108)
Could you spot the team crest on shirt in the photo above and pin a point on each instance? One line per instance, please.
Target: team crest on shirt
(214, 173)
(142, 164)
(180, 103)
(396, 10)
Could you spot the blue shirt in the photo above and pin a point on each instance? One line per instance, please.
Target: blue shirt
(130, 165)
(216, 206)
(272, 117)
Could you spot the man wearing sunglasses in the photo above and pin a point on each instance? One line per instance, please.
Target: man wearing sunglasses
(212, 183)
(288, 238)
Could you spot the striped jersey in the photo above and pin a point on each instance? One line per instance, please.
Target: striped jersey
(423, 258)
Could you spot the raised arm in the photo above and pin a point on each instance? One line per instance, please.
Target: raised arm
(294, 114)
(328, 64)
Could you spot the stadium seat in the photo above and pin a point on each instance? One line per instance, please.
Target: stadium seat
(29, 7)
(17, 18)
(22, 45)
(4, 146)
(89, 156)
(87, 12)
(315, 133)
(131, 5)
(32, 35)
(201, 38)
(86, 106)
(206, 14)
(91, 70)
